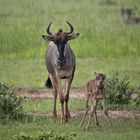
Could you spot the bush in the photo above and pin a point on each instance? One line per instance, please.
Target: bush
(10, 104)
(47, 136)
(135, 100)
(118, 90)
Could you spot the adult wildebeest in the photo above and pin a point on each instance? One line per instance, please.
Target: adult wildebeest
(128, 15)
(60, 62)
(95, 91)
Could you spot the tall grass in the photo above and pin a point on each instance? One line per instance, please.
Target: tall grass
(103, 36)
(102, 31)
(33, 73)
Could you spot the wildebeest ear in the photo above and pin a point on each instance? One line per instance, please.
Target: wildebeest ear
(73, 36)
(47, 37)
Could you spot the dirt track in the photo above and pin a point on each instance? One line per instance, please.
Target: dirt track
(76, 93)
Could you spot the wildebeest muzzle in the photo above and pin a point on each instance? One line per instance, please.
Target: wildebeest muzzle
(61, 62)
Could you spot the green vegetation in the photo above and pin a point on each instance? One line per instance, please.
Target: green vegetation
(101, 28)
(105, 44)
(39, 127)
(110, 44)
(46, 105)
(43, 104)
(123, 129)
(118, 90)
(47, 136)
(10, 104)
(33, 73)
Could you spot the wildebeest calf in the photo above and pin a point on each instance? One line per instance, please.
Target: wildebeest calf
(95, 91)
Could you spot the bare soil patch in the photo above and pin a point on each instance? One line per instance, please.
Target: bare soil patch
(112, 113)
(76, 93)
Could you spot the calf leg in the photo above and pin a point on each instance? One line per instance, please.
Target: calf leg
(92, 111)
(96, 119)
(86, 110)
(106, 113)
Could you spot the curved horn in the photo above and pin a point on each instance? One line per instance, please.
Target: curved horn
(71, 28)
(48, 29)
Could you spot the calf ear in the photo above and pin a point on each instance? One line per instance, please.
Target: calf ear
(73, 36)
(47, 37)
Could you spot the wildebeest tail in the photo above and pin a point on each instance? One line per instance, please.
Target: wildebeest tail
(48, 83)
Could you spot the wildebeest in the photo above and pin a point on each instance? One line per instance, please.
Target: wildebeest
(61, 64)
(129, 16)
(95, 91)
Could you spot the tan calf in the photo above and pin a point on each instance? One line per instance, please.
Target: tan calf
(95, 91)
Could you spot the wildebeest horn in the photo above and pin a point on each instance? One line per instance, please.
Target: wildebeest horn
(48, 29)
(71, 28)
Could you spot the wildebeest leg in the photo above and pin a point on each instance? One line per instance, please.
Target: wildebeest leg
(92, 111)
(53, 80)
(66, 99)
(61, 96)
(106, 113)
(68, 82)
(86, 110)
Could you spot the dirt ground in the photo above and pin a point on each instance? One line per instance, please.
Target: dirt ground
(75, 93)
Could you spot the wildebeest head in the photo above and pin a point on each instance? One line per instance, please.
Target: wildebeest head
(128, 11)
(100, 78)
(60, 39)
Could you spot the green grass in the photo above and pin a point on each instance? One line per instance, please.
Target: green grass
(101, 28)
(33, 73)
(121, 129)
(105, 42)
(46, 105)
(35, 125)
(43, 104)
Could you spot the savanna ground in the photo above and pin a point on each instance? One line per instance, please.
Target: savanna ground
(105, 44)
(38, 106)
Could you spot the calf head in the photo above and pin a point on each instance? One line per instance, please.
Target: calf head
(100, 79)
(60, 39)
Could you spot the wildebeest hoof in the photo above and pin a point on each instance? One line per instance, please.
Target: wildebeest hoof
(54, 114)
